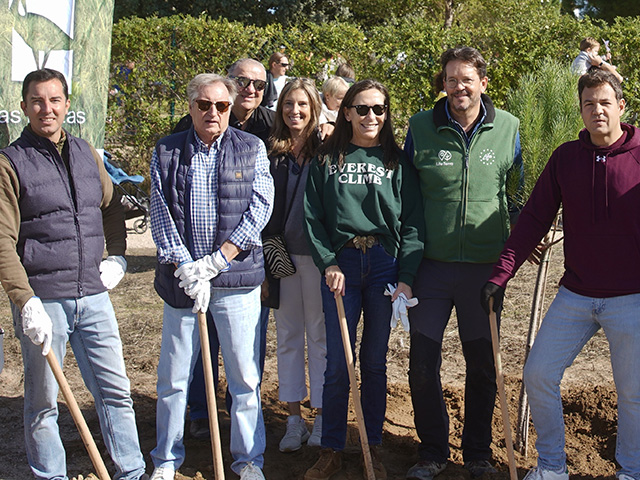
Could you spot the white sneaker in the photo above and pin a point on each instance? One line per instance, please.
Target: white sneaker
(251, 472)
(541, 474)
(296, 434)
(316, 433)
(163, 473)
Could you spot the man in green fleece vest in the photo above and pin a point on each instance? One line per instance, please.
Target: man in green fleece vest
(464, 150)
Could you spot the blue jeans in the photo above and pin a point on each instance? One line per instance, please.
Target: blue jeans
(366, 276)
(90, 326)
(571, 321)
(236, 315)
(197, 398)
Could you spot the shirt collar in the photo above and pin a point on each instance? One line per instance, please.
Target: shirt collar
(202, 147)
(452, 121)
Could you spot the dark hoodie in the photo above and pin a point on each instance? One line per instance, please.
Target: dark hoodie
(599, 188)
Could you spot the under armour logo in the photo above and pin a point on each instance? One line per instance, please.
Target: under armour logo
(601, 158)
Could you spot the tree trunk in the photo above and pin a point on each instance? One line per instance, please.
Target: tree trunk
(449, 5)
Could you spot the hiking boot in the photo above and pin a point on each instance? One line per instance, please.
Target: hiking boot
(425, 470)
(542, 474)
(477, 468)
(251, 472)
(378, 468)
(329, 463)
(296, 434)
(199, 429)
(163, 473)
(316, 433)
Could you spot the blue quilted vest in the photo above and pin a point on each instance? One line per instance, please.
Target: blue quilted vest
(61, 240)
(236, 163)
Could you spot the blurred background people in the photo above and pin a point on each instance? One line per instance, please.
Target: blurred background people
(589, 57)
(276, 78)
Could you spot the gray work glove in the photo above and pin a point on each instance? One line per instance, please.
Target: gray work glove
(203, 269)
(112, 270)
(491, 290)
(36, 324)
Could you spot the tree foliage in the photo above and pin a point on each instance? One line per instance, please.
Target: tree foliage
(546, 102)
(515, 37)
(603, 9)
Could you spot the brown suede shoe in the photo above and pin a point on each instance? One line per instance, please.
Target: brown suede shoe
(329, 463)
(378, 468)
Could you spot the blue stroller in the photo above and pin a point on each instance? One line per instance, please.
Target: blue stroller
(134, 199)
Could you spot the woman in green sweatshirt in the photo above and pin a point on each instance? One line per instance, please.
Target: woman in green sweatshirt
(365, 226)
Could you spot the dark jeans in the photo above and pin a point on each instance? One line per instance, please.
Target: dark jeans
(366, 276)
(439, 287)
(197, 396)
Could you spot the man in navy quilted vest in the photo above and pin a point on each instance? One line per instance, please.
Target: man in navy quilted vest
(211, 196)
(57, 207)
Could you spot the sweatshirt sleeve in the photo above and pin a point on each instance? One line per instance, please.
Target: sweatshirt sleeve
(115, 230)
(314, 216)
(535, 221)
(412, 228)
(12, 274)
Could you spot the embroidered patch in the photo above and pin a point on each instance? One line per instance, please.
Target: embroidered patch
(487, 156)
(238, 175)
(444, 158)
(444, 155)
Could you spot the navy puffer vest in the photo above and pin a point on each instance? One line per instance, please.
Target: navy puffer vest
(236, 164)
(61, 240)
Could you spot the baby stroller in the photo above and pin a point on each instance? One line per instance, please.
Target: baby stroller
(134, 199)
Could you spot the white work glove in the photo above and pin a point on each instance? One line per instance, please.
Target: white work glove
(36, 324)
(203, 269)
(200, 292)
(112, 270)
(400, 307)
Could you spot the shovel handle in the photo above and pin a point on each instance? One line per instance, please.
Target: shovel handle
(85, 434)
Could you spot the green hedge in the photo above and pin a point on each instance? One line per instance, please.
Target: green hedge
(169, 51)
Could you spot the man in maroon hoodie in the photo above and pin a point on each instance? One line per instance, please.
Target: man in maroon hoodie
(597, 180)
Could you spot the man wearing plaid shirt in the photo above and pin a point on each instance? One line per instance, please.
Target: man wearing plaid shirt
(211, 196)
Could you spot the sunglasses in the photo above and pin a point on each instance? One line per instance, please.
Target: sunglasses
(363, 110)
(205, 105)
(285, 65)
(244, 82)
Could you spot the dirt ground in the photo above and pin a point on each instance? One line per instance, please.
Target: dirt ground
(588, 394)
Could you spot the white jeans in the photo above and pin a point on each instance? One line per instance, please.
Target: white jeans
(300, 312)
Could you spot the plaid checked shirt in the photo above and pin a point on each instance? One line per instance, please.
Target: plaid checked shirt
(203, 211)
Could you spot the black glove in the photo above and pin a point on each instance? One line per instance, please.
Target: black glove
(491, 290)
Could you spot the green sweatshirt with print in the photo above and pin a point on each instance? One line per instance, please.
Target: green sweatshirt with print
(360, 198)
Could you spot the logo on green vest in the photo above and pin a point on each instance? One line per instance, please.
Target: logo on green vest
(487, 156)
(444, 157)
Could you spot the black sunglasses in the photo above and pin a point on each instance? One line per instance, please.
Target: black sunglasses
(244, 82)
(363, 110)
(205, 105)
(285, 65)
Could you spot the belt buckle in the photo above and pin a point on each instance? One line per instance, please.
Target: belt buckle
(364, 242)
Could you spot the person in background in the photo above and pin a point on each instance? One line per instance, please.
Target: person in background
(589, 58)
(597, 180)
(346, 71)
(365, 226)
(211, 196)
(464, 150)
(298, 303)
(333, 91)
(276, 78)
(57, 208)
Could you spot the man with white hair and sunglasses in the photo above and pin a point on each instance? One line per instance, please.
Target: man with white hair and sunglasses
(211, 196)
